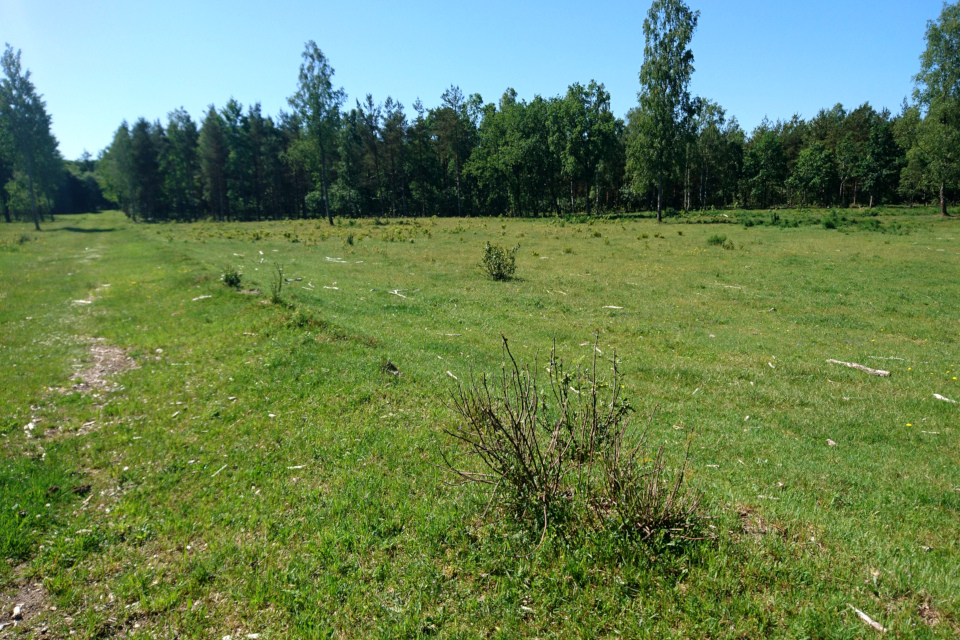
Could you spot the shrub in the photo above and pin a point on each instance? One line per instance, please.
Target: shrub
(831, 221)
(499, 263)
(568, 250)
(232, 278)
(596, 234)
(643, 236)
(23, 239)
(679, 232)
(566, 454)
(728, 245)
(716, 239)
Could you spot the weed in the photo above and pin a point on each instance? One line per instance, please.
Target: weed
(23, 239)
(232, 278)
(499, 263)
(596, 234)
(716, 240)
(643, 236)
(568, 250)
(276, 285)
(728, 245)
(679, 232)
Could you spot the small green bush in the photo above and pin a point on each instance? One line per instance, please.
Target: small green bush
(716, 240)
(728, 245)
(499, 263)
(232, 278)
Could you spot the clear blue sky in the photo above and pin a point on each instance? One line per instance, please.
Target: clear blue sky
(98, 62)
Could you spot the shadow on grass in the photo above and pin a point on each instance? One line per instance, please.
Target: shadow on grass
(79, 230)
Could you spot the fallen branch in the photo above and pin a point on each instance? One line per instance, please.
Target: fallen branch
(945, 399)
(854, 365)
(870, 621)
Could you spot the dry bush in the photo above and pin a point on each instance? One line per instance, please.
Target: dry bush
(563, 451)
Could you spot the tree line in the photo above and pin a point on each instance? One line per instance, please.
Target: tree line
(560, 155)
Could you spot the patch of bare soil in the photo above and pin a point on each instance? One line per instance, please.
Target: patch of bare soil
(753, 524)
(108, 361)
(930, 616)
(29, 601)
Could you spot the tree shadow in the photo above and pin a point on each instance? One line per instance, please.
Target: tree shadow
(79, 230)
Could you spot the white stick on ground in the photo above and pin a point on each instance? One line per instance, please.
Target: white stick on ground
(870, 621)
(854, 365)
(945, 399)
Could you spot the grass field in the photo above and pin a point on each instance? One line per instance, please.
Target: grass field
(257, 471)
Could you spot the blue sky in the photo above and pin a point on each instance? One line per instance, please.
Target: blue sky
(98, 62)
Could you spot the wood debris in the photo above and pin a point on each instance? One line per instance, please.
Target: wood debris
(867, 619)
(945, 399)
(854, 365)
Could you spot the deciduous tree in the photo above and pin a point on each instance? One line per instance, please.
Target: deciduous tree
(318, 104)
(665, 104)
(24, 118)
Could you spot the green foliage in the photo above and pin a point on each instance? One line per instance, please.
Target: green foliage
(318, 105)
(25, 134)
(232, 278)
(499, 263)
(716, 239)
(665, 108)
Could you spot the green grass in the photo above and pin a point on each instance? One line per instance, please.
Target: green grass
(260, 472)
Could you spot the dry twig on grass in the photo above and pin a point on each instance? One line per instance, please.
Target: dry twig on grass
(854, 365)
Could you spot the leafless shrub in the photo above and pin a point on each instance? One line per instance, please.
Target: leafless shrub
(564, 451)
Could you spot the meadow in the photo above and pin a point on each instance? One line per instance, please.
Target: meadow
(238, 467)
